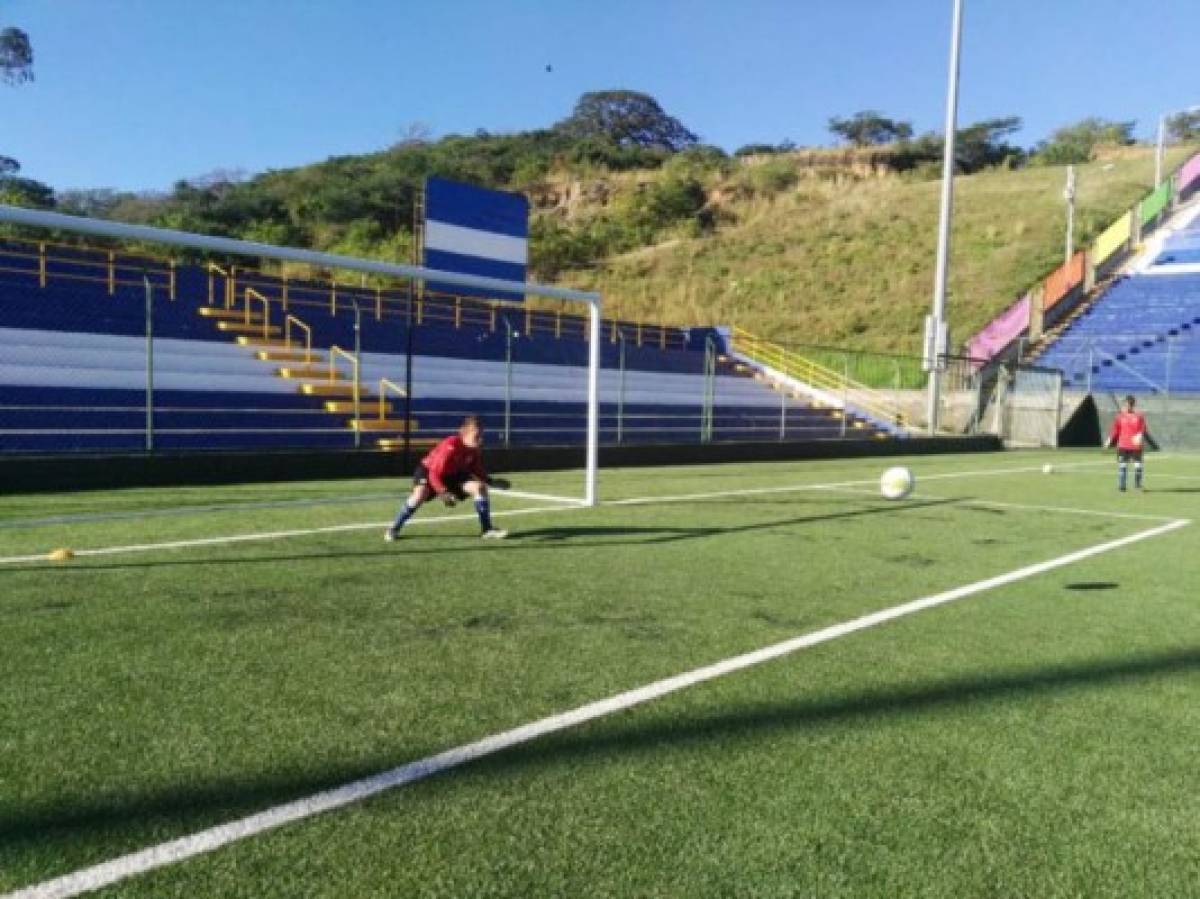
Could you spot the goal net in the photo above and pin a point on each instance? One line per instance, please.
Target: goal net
(361, 340)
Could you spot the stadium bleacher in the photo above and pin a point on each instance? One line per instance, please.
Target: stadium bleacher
(73, 371)
(1140, 336)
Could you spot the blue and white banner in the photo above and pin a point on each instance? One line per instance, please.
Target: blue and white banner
(473, 231)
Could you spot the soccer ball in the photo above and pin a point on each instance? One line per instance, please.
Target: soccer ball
(1137, 440)
(896, 483)
(1047, 468)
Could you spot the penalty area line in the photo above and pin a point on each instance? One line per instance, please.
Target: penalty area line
(172, 852)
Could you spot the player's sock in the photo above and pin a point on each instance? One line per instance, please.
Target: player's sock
(1137, 475)
(484, 508)
(1122, 472)
(405, 514)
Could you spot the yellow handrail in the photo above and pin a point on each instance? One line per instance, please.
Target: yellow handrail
(334, 352)
(384, 386)
(252, 294)
(287, 336)
(212, 269)
(823, 378)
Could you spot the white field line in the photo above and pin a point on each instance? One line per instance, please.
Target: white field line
(574, 506)
(88, 879)
(258, 536)
(1028, 507)
(540, 497)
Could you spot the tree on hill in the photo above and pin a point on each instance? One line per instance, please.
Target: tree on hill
(626, 118)
(1184, 126)
(870, 128)
(16, 67)
(16, 56)
(1076, 143)
(977, 146)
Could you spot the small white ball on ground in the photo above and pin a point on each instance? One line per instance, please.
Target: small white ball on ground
(1047, 468)
(897, 483)
(62, 554)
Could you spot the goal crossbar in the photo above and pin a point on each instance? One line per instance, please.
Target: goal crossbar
(36, 218)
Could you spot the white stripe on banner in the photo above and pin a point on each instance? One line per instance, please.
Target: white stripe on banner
(471, 242)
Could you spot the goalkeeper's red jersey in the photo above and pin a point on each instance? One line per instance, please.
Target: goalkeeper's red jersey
(452, 457)
(1129, 430)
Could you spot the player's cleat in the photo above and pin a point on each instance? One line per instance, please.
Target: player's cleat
(493, 534)
(391, 535)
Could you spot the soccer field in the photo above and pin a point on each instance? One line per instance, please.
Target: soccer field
(1021, 720)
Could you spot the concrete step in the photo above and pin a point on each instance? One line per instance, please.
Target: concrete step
(220, 312)
(396, 444)
(240, 327)
(381, 424)
(320, 372)
(347, 406)
(292, 355)
(326, 388)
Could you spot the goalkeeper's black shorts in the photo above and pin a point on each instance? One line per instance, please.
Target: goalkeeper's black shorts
(1129, 455)
(454, 482)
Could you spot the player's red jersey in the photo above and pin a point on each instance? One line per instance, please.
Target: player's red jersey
(452, 457)
(1129, 430)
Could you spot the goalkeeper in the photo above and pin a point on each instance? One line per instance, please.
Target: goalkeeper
(452, 471)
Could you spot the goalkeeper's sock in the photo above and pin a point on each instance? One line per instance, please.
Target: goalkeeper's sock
(1137, 475)
(1122, 473)
(484, 508)
(405, 514)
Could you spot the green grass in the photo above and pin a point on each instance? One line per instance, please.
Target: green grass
(849, 263)
(1037, 739)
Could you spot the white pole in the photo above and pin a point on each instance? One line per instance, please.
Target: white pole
(938, 322)
(593, 407)
(1069, 196)
(1159, 149)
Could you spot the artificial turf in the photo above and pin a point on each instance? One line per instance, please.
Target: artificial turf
(1036, 739)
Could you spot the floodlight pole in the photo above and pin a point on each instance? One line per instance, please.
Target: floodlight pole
(935, 350)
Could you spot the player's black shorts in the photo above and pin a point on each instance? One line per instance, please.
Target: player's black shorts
(454, 482)
(1129, 455)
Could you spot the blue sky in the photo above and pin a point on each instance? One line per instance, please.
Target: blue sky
(135, 94)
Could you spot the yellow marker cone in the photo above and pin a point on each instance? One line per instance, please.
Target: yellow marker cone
(62, 554)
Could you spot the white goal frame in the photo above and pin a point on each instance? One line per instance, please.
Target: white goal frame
(34, 218)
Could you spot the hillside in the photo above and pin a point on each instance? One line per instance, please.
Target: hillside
(849, 261)
(817, 246)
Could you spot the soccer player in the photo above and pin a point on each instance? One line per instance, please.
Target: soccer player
(452, 471)
(1129, 433)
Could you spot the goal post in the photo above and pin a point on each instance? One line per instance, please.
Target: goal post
(56, 221)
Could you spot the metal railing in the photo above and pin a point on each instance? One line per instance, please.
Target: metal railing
(829, 386)
(250, 296)
(288, 322)
(48, 262)
(384, 386)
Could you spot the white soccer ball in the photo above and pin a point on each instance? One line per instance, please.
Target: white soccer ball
(1137, 440)
(1047, 468)
(897, 483)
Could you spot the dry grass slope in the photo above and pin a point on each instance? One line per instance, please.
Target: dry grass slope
(850, 263)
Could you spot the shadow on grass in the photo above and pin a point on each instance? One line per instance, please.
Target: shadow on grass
(183, 808)
(536, 539)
